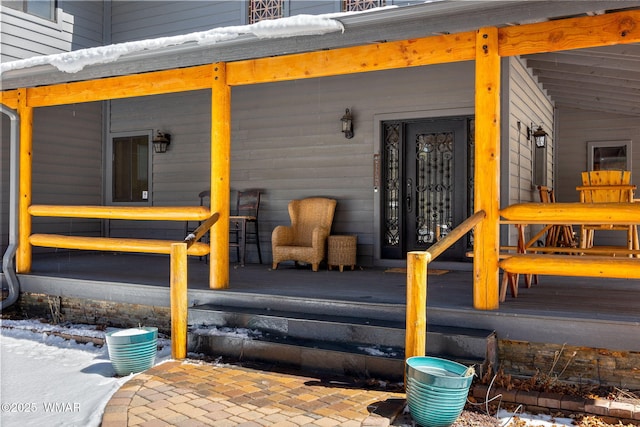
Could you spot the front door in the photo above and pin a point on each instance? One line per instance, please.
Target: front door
(426, 189)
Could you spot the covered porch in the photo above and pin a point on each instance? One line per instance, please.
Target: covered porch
(485, 46)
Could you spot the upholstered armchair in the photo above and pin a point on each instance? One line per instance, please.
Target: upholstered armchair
(306, 238)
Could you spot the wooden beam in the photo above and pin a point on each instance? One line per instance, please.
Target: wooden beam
(9, 98)
(487, 170)
(564, 34)
(574, 33)
(380, 56)
(154, 83)
(220, 175)
(24, 253)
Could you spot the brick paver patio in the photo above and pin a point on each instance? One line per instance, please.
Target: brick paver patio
(192, 393)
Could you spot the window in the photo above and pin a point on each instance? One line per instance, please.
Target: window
(609, 155)
(259, 10)
(355, 5)
(43, 8)
(130, 168)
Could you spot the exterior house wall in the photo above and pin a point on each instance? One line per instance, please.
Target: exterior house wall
(315, 7)
(287, 140)
(528, 107)
(575, 129)
(67, 140)
(178, 175)
(67, 164)
(136, 20)
(78, 25)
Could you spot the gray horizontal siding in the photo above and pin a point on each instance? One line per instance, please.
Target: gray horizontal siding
(575, 129)
(136, 20)
(286, 140)
(527, 104)
(313, 7)
(78, 25)
(139, 20)
(67, 164)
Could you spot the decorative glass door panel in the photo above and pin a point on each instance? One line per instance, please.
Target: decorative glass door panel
(425, 167)
(433, 174)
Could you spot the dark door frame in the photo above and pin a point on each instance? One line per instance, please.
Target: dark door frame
(391, 212)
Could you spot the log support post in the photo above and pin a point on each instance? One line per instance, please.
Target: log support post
(416, 324)
(220, 176)
(24, 253)
(487, 170)
(179, 301)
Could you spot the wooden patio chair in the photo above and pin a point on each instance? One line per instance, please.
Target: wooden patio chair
(306, 239)
(243, 224)
(558, 236)
(607, 186)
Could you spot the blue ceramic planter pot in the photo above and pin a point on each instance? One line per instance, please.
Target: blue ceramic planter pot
(132, 350)
(436, 390)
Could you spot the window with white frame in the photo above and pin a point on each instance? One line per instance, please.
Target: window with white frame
(356, 5)
(43, 8)
(129, 168)
(260, 10)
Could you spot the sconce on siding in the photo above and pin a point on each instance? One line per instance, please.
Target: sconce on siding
(347, 124)
(539, 137)
(160, 142)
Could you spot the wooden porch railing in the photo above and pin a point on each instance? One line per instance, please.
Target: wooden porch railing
(417, 263)
(177, 250)
(595, 262)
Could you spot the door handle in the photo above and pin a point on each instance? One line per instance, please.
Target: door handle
(409, 193)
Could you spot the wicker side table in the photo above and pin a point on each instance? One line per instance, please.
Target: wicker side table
(342, 251)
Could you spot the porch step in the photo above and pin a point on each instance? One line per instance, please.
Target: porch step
(337, 344)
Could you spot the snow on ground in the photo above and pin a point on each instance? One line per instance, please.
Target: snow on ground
(48, 380)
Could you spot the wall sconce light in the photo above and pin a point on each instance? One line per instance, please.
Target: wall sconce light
(347, 124)
(539, 137)
(160, 142)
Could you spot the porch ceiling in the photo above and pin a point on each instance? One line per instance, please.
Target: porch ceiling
(604, 79)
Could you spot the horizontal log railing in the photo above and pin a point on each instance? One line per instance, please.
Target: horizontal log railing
(177, 250)
(152, 213)
(598, 262)
(572, 213)
(164, 213)
(417, 262)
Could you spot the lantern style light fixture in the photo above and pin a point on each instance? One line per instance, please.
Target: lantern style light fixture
(347, 124)
(540, 137)
(160, 142)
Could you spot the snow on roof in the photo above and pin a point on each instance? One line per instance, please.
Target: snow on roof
(72, 62)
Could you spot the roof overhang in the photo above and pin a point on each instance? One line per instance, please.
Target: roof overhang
(385, 24)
